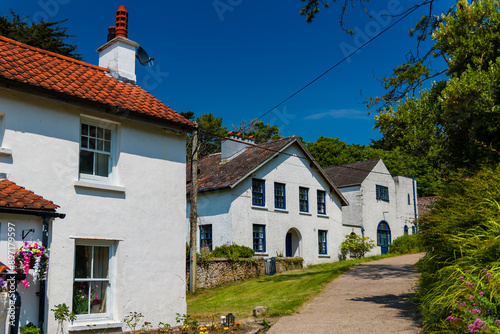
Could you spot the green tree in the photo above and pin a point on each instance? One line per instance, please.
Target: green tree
(210, 134)
(261, 132)
(44, 35)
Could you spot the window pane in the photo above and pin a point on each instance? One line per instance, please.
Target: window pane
(86, 162)
(100, 144)
(92, 143)
(97, 298)
(83, 258)
(107, 146)
(102, 164)
(100, 133)
(101, 260)
(84, 142)
(85, 129)
(92, 131)
(81, 297)
(107, 134)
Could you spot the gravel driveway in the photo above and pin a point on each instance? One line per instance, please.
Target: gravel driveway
(370, 298)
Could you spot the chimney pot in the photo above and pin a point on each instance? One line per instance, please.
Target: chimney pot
(121, 22)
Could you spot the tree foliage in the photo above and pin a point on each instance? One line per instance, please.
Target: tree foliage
(261, 132)
(45, 35)
(355, 246)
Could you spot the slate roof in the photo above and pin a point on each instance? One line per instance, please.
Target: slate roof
(214, 175)
(14, 196)
(66, 77)
(351, 174)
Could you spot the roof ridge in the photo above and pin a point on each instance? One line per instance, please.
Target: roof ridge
(53, 54)
(352, 163)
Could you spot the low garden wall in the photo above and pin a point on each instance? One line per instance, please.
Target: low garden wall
(214, 272)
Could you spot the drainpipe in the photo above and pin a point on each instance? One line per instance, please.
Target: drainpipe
(42, 294)
(414, 201)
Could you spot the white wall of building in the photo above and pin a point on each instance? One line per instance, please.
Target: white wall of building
(294, 173)
(143, 216)
(363, 203)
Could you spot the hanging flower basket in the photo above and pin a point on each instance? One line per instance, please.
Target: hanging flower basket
(31, 256)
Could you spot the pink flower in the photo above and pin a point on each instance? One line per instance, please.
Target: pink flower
(468, 283)
(489, 275)
(461, 277)
(481, 293)
(485, 270)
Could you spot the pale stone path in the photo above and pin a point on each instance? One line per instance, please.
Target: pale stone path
(370, 298)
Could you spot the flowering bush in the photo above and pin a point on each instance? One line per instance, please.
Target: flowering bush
(31, 256)
(477, 307)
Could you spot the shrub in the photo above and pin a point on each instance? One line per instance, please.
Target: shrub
(406, 244)
(355, 246)
(459, 284)
(232, 252)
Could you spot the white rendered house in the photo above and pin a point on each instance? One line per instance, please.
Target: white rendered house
(381, 206)
(112, 157)
(271, 197)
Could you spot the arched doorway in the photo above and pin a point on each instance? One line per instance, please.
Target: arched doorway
(292, 243)
(383, 236)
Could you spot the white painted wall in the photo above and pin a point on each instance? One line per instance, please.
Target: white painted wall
(365, 208)
(145, 221)
(232, 215)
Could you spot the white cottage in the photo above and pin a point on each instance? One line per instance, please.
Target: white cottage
(381, 206)
(112, 157)
(272, 197)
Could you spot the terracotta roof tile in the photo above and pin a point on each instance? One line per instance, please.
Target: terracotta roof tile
(57, 73)
(14, 196)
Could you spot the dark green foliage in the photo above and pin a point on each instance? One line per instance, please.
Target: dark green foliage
(261, 132)
(406, 244)
(30, 329)
(231, 252)
(49, 36)
(462, 239)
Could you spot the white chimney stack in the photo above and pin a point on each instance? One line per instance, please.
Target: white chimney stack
(234, 145)
(118, 54)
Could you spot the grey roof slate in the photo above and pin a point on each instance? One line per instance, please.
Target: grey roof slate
(351, 174)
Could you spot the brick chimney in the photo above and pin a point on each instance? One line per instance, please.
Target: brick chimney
(118, 54)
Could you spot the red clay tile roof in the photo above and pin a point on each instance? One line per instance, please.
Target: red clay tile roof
(59, 74)
(350, 174)
(214, 175)
(14, 196)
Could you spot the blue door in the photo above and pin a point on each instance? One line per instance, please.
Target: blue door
(383, 236)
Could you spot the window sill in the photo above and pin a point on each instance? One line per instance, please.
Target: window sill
(99, 186)
(263, 208)
(305, 213)
(93, 325)
(261, 254)
(5, 151)
(281, 210)
(323, 216)
(324, 256)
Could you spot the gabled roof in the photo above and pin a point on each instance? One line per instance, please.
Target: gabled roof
(214, 175)
(351, 174)
(69, 78)
(14, 196)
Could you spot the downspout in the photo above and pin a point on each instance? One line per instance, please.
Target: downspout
(414, 201)
(43, 295)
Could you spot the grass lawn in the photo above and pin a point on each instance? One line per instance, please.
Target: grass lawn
(282, 293)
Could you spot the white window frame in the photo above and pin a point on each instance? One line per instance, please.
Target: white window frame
(105, 124)
(111, 279)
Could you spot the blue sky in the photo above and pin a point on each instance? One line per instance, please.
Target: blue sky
(237, 59)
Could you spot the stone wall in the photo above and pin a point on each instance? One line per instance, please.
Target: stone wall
(214, 272)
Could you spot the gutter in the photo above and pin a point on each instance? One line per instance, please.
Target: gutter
(33, 212)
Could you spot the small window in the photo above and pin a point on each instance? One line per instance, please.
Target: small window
(383, 193)
(259, 238)
(409, 199)
(322, 243)
(413, 229)
(206, 237)
(96, 150)
(258, 192)
(92, 284)
(321, 202)
(303, 199)
(279, 196)
(406, 229)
